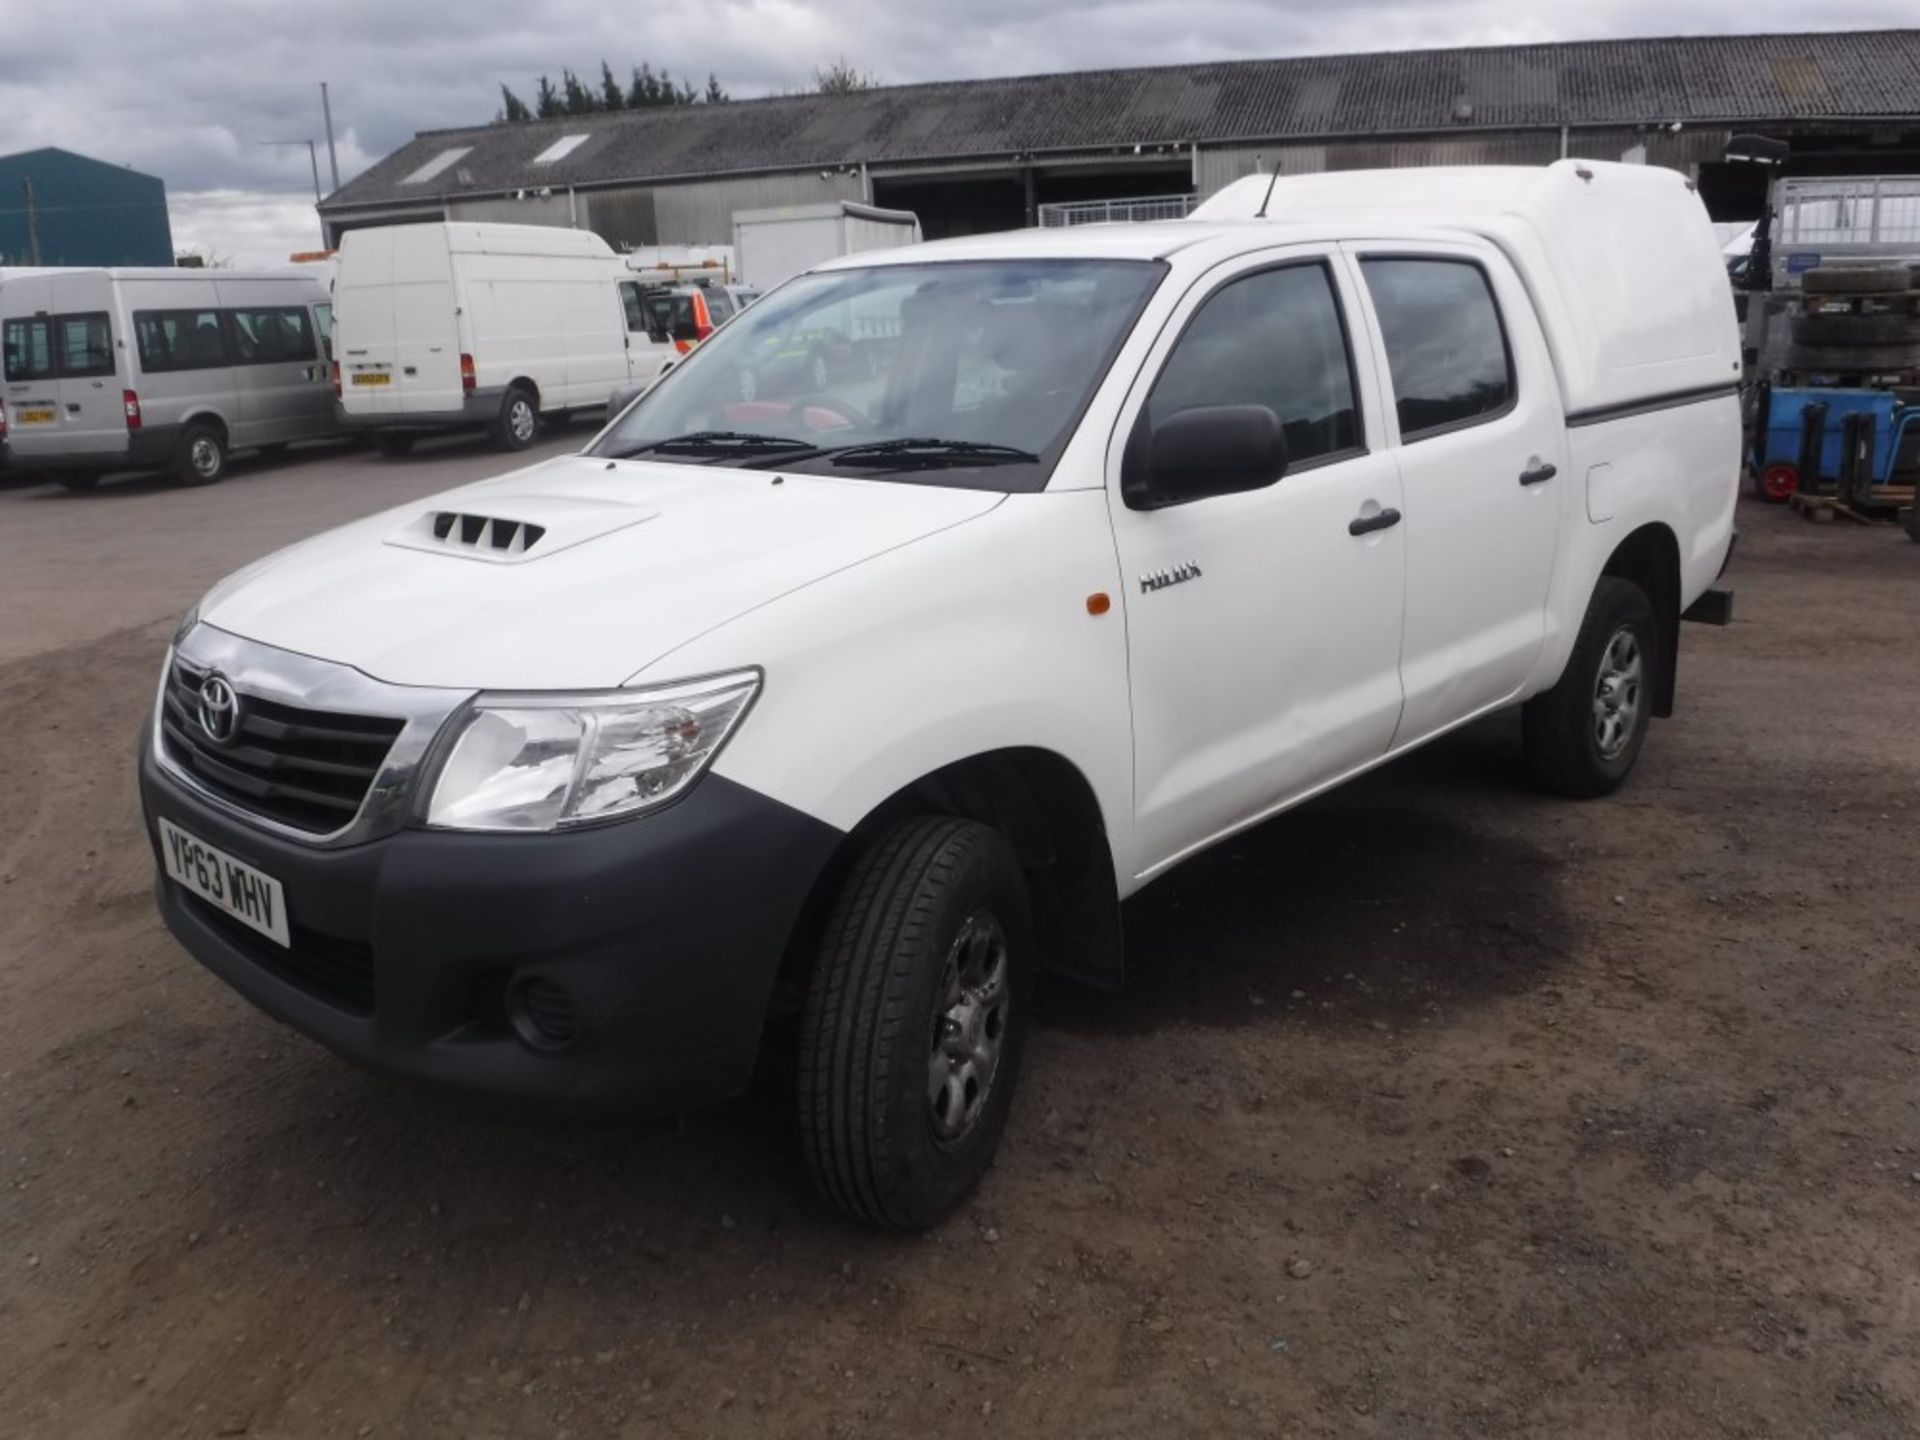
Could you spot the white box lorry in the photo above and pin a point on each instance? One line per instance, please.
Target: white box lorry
(839, 713)
(772, 246)
(483, 326)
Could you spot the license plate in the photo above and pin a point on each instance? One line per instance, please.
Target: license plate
(227, 884)
(35, 415)
(373, 377)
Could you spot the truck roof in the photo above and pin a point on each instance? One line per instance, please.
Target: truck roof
(1620, 260)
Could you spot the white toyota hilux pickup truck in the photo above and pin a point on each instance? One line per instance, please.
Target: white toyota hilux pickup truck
(858, 670)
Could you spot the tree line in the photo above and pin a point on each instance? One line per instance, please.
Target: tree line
(650, 89)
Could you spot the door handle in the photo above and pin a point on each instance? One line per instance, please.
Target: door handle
(1379, 520)
(1537, 474)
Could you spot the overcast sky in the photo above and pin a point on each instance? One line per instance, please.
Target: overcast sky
(187, 89)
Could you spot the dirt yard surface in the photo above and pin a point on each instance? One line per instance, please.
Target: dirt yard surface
(1434, 1108)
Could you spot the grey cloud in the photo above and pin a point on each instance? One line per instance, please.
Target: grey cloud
(185, 89)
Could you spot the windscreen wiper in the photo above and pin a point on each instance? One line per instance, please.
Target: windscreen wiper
(715, 442)
(923, 450)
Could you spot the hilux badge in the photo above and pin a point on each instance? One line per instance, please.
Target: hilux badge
(1178, 575)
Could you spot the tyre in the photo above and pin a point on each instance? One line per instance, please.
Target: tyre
(79, 479)
(202, 458)
(390, 443)
(1857, 280)
(1838, 330)
(915, 1021)
(1818, 358)
(1584, 734)
(518, 423)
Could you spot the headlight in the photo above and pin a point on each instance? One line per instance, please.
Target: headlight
(552, 762)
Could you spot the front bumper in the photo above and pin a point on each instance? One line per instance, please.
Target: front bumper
(665, 933)
(477, 411)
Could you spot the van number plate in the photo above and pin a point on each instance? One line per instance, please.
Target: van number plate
(373, 377)
(225, 883)
(36, 415)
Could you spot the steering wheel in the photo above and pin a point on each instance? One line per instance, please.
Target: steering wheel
(833, 404)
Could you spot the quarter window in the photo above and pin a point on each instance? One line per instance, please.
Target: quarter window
(1445, 345)
(1273, 338)
(277, 336)
(181, 340)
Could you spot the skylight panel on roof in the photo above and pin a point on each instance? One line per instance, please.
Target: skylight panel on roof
(560, 149)
(435, 166)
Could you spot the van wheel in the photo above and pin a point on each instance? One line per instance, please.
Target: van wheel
(392, 444)
(79, 479)
(203, 456)
(914, 1022)
(519, 421)
(1584, 734)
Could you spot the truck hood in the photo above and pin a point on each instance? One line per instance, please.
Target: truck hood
(576, 573)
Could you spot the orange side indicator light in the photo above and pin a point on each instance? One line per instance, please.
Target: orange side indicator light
(1098, 603)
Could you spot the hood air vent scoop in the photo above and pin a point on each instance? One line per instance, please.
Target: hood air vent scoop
(483, 532)
(523, 528)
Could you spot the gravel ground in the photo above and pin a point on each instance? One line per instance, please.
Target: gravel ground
(1434, 1108)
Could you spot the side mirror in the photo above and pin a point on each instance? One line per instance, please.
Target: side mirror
(1203, 451)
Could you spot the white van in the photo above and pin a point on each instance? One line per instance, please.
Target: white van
(833, 715)
(450, 327)
(148, 369)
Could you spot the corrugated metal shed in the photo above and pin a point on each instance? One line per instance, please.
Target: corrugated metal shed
(86, 212)
(1742, 78)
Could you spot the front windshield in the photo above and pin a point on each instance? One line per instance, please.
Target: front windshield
(960, 373)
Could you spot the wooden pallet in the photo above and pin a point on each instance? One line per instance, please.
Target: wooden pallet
(1882, 504)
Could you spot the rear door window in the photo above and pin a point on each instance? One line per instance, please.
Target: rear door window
(276, 336)
(28, 348)
(181, 340)
(85, 344)
(1446, 348)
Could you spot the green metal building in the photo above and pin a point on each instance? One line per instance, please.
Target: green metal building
(59, 208)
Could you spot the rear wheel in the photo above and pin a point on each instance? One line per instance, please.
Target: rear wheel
(915, 1021)
(203, 456)
(519, 420)
(1584, 734)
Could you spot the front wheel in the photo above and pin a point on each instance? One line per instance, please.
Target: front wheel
(1584, 734)
(915, 1021)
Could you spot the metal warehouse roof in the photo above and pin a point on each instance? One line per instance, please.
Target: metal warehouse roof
(1847, 75)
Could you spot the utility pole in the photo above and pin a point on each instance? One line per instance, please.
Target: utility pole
(33, 222)
(326, 112)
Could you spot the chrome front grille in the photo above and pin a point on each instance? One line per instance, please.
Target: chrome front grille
(310, 769)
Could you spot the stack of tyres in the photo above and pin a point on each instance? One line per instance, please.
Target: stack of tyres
(1857, 326)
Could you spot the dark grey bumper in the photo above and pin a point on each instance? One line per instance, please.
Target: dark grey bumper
(664, 934)
(477, 411)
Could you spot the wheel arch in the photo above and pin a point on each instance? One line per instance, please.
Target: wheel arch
(1048, 811)
(1650, 558)
(527, 383)
(212, 418)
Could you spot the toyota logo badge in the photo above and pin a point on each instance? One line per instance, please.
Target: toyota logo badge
(219, 710)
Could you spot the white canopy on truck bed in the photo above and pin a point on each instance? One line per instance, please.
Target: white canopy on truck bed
(1621, 260)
